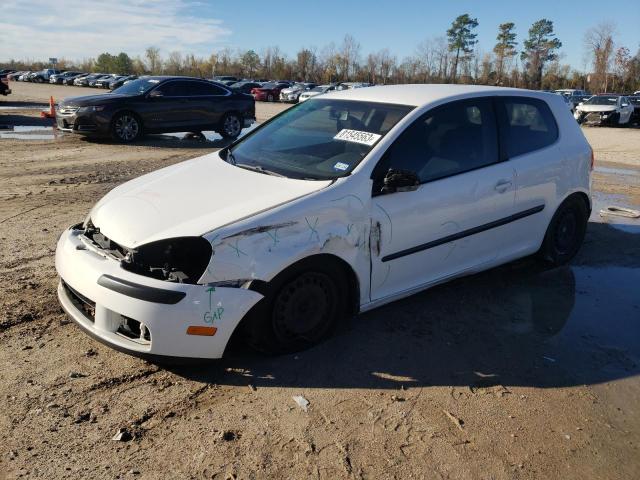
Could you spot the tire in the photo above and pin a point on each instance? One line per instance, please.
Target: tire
(126, 127)
(565, 232)
(230, 126)
(270, 97)
(300, 309)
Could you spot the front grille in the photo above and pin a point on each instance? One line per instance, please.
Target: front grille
(82, 303)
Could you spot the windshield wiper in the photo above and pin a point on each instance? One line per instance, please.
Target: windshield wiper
(257, 168)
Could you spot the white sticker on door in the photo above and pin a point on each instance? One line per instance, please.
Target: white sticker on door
(357, 136)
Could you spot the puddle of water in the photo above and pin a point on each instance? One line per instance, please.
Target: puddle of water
(28, 132)
(617, 171)
(602, 330)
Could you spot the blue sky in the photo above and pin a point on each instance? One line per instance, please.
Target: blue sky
(76, 29)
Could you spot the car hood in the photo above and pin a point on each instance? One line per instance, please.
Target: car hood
(190, 199)
(100, 99)
(596, 108)
(291, 90)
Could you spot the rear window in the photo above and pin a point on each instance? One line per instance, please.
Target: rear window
(527, 124)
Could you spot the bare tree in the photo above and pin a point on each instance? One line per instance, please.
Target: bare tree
(154, 62)
(599, 43)
(349, 55)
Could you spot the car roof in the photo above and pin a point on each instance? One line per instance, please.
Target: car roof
(423, 94)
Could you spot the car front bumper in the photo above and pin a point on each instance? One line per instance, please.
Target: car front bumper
(160, 326)
(85, 123)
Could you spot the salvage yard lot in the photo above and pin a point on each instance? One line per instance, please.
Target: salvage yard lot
(513, 373)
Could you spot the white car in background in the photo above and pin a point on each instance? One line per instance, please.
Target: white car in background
(291, 94)
(346, 202)
(605, 110)
(319, 90)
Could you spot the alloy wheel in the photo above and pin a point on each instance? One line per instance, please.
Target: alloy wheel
(127, 127)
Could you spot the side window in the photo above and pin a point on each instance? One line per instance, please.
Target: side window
(527, 124)
(451, 139)
(202, 88)
(175, 89)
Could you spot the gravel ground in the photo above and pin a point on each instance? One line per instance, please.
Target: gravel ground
(515, 373)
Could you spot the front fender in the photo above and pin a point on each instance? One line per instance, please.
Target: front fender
(338, 225)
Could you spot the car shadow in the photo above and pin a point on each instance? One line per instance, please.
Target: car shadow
(516, 325)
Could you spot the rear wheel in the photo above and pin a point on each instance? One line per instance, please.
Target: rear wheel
(231, 125)
(126, 127)
(299, 310)
(270, 97)
(566, 231)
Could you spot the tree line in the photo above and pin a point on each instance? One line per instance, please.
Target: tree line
(535, 62)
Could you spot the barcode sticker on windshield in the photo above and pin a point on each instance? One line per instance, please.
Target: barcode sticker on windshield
(357, 136)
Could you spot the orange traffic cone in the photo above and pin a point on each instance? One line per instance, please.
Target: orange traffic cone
(52, 110)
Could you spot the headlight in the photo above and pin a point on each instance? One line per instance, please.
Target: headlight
(181, 260)
(92, 108)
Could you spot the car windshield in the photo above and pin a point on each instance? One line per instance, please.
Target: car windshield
(268, 85)
(320, 139)
(137, 87)
(602, 100)
(318, 89)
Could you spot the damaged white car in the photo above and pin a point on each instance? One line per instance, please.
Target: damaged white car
(604, 110)
(338, 205)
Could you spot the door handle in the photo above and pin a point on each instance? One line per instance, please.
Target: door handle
(502, 185)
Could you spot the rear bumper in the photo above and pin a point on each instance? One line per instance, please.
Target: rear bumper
(160, 312)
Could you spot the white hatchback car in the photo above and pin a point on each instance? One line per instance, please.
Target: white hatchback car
(338, 205)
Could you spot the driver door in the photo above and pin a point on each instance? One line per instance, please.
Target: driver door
(451, 222)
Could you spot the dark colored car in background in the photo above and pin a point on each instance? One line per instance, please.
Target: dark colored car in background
(71, 79)
(59, 78)
(84, 81)
(119, 81)
(244, 87)
(158, 105)
(4, 84)
(635, 116)
(268, 92)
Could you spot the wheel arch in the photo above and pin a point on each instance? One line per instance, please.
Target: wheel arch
(307, 263)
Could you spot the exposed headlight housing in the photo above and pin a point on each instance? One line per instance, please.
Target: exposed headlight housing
(181, 260)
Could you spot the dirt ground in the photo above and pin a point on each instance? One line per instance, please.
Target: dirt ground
(516, 373)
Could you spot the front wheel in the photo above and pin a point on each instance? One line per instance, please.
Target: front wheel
(126, 127)
(231, 126)
(299, 311)
(565, 232)
(270, 98)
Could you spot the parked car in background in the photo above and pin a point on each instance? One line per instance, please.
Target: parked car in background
(157, 105)
(118, 82)
(83, 81)
(319, 90)
(24, 75)
(71, 79)
(4, 84)
(357, 199)
(292, 93)
(225, 78)
(268, 92)
(92, 81)
(15, 75)
(59, 78)
(43, 75)
(105, 81)
(635, 116)
(244, 87)
(609, 109)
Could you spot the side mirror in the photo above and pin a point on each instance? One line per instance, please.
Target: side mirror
(156, 94)
(400, 181)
